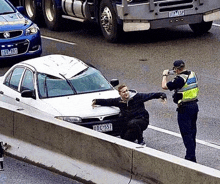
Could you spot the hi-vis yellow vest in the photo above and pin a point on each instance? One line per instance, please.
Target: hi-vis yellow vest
(190, 90)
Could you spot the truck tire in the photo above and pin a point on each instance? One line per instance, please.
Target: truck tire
(52, 14)
(201, 28)
(108, 22)
(31, 10)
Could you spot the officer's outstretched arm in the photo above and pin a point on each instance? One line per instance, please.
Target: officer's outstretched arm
(164, 80)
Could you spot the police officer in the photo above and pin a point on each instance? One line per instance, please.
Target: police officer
(185, 86)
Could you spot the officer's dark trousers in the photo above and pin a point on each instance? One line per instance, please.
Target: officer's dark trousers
(134, 129)
(187, 116)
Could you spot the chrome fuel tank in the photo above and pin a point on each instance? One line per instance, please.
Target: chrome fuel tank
(75, 8)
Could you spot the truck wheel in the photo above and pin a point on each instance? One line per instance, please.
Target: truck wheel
(52, 14)
(108, 22)
(31, 10)
(201, 28)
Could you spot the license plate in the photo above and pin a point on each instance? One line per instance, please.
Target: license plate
(8, 52)
(103, 128)
(177, 13)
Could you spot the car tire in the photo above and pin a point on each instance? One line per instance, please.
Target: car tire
(108, 21)
(52, 14)
(201, 28)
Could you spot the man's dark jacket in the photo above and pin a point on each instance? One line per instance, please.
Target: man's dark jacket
(134, 107)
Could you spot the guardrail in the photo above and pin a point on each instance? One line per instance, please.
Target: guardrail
(92, 156)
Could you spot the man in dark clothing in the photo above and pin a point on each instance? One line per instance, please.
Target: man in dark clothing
(186, 90)
(1, 156)
(132, 110)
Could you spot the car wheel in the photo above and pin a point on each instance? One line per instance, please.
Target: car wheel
(108, 22)
(201, 28)
(31, 10)
(52, 14)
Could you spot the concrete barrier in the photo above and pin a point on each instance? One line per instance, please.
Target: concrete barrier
(92, 156)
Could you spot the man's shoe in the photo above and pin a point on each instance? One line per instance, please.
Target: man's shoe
(192, 159)
(142, 143)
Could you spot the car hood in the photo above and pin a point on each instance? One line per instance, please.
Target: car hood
(81, 105)
(13, 21)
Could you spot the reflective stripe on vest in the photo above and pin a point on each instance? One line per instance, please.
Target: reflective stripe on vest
(190, 90)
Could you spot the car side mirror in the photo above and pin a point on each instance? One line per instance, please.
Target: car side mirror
(114, 82)
(28, 94)
(21, 9)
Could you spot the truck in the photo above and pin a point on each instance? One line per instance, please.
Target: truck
(118, 16)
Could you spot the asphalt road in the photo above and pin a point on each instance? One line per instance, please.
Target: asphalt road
(139, 60)
(19, 172)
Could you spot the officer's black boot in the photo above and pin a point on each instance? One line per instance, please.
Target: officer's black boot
(193, 159)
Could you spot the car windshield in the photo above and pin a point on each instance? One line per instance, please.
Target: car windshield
(90, 80)
(5, 8)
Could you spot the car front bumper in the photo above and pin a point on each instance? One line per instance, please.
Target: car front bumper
(21, 47)
(112, 126)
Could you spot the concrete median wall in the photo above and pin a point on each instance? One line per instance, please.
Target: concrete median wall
(90, 155)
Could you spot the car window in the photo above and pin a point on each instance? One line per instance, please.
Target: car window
(5, 8)
(90, 81)
(28, 81)
(50, 86)
(13, 79)
(7, 79)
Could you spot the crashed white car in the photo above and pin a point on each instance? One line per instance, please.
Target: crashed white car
(64, 87)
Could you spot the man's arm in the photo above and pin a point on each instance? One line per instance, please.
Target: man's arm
(105, 102)
(164, 80)
(149, 96)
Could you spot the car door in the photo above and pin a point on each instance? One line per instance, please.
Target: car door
(10, 89)
(27, 83)
(19, 79)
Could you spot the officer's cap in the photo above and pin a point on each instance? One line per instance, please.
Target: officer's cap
(178, 64)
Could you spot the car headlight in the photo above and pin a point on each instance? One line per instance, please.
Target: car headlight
(71, 119)
(33, 29)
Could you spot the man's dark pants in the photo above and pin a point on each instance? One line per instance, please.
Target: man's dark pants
(134, 129)
(187, 116)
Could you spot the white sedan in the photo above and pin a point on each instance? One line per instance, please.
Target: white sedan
(64, 87)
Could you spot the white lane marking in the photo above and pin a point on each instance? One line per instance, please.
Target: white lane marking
(178, 135)
(218, 25)
(57, 40)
